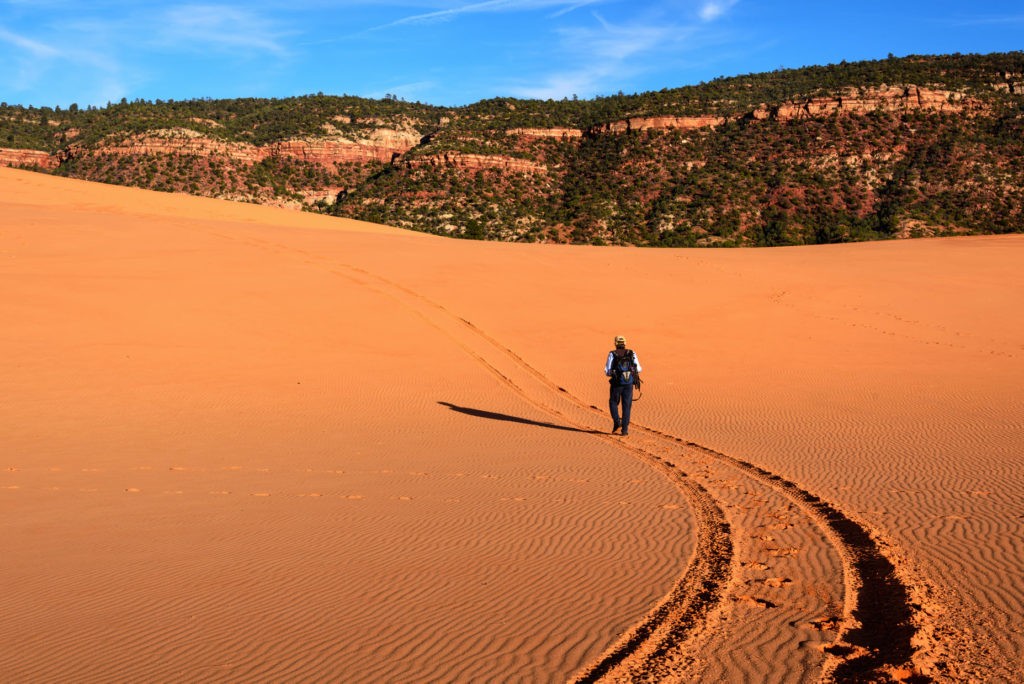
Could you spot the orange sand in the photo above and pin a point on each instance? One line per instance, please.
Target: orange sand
(239, 443)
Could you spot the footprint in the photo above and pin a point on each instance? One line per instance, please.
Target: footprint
(754, 602)
(754, 566)
(777, 582)
(825, 624)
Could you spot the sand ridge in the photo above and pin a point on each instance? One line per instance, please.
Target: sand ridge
(172, 358)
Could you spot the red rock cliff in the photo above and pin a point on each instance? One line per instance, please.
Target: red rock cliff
(476, 162)
(380, 146)
(660, 123)
(885, 98)
(43, 160)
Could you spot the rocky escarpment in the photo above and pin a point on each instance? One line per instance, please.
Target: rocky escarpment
(28, 158)
(388, 145)
(380, 146)
(1010, 82)
(659, 123)
(896, 98)
(865, 162)
(476, 162)
(545, 133)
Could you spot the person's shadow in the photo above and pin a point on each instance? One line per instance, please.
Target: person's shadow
(491, 415)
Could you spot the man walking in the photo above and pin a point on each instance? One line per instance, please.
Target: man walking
(622, 369)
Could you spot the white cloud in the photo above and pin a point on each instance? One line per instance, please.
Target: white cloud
(618, 42)
(557, 86)
(713, 9)
(407, 91)
(601, 57)
(218, 27)
(1003, 20)
(573, 7)
(37, 49)
(564, 7)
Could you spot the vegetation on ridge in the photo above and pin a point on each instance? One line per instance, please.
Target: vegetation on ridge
(755, 177)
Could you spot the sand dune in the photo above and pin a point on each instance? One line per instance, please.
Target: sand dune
(241, 444)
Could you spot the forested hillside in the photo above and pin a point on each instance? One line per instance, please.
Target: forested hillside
(899, 147)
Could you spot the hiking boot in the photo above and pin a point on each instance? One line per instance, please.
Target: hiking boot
(615, 428)
(625, 432)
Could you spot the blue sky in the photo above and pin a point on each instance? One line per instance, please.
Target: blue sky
(454, 52)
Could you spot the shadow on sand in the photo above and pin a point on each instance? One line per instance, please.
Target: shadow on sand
(491, 415)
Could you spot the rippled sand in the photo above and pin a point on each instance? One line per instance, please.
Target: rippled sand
(242, 443)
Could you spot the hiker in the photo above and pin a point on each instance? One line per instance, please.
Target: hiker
(623, 371)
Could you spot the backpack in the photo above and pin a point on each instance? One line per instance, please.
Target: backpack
(624, 368)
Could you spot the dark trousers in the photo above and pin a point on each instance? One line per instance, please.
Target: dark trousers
(623, 394)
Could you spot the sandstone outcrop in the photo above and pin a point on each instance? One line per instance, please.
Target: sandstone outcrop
(178, 141)
(540, 133)
(1012, 83)
(476, 162)
(659, 123)
(380, 146)
(331, 152)
(44, 160)
(852, 101)
(325, 195)
(884, 98)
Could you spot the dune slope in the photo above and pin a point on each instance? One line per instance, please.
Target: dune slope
(245, 443)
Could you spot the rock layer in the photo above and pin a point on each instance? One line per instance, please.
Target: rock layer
(9, 157)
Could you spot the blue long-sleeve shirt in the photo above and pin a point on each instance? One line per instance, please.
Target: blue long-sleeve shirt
(611, 357)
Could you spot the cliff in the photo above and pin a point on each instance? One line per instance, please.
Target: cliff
(476, 162)
(659, 123)
(896, 98)
(546, 133)
(28, 158)
(381, 146)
